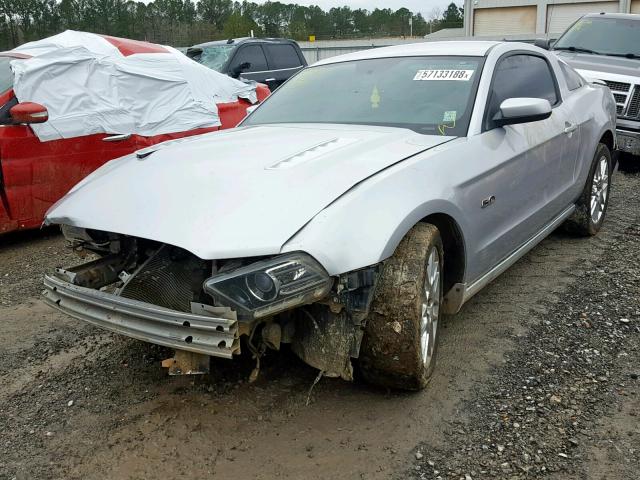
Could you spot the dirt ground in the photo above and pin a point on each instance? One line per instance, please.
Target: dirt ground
(537, 378)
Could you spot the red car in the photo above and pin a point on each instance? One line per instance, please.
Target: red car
(34, 174)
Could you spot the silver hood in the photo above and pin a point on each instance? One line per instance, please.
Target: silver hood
(238, 193)
(601, 63)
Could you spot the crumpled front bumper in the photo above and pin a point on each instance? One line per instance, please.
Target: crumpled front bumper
(201, 332)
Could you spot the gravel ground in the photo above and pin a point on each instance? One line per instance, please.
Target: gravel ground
(537, 378)
(566, 403)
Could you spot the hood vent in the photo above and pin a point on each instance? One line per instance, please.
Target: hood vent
(312, 153)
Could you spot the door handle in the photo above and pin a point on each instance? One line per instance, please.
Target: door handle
(570, 127)
(269, 79)
(117, 138)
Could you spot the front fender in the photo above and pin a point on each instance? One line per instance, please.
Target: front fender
(365, 225)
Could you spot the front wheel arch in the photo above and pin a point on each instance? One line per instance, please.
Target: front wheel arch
(399, 346)
(453, 246)
(608, 138)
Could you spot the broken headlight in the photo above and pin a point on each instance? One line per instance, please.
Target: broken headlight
(271, 286)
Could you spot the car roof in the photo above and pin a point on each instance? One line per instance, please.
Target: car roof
(239, 41)
(630, 16)
(454, 48)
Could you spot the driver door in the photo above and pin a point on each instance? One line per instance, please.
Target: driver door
(525, 170)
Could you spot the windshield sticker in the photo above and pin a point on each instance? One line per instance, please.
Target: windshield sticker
(458, 75)
(375, 97)
(449, 121)
(581, 24)
(449, 116)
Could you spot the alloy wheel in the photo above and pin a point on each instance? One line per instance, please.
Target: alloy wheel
(599, 190)
(430, 307)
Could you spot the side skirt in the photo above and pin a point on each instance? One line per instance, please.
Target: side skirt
(460, 293)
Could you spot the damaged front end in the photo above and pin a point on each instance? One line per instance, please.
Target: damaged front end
(165, 295)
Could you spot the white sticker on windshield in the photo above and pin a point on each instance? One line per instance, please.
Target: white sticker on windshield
(449, 116)
(459, 75)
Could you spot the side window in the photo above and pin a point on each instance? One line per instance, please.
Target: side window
(5, 117)
(283, 56)
(6, 75)
(521, 76)
(574, 80)
(252, 54)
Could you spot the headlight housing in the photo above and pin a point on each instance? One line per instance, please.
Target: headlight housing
(271, 286)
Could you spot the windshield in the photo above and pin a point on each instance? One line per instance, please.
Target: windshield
(213, 57)
(6, 75)
(430, 95)
(606, 36)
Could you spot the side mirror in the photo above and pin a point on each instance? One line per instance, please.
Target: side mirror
(522, 110)
(237, 70)
(28, 112)
(542, 43)
(194, 53)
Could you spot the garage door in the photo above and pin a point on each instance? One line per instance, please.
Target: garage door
(560, 16)
(504, 20)
(635, 6)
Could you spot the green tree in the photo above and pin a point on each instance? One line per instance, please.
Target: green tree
(341, 18)
(381, 21)
(452, 16)
(215, 12)
(318, 23)
(239, 25)
(419, 26)
(400, 23)
(185, 22)
(361, 22)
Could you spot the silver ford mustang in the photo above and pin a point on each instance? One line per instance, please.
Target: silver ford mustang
(368, 196)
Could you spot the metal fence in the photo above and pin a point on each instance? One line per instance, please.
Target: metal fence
(313, 54)
(315, 51)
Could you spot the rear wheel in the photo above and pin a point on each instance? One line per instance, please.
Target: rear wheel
(591, 207)
(400, 344)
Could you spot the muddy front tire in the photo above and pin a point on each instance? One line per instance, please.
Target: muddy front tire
(591, 207)
(400, 343)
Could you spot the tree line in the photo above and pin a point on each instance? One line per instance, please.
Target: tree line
(185, 22)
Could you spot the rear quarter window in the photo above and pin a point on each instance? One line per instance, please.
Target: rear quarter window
(573, 79)
(283, 56)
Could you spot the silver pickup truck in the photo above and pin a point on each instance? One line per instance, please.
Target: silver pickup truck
(606, 46)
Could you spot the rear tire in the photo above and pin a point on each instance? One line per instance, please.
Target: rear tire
(591, 207)
(400, 343)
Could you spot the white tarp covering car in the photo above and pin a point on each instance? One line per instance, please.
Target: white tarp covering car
(90, 85)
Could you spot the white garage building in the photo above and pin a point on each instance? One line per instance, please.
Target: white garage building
(533, 17)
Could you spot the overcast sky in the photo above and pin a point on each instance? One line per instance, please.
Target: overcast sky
(422, 6)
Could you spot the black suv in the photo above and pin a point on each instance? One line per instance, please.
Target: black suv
(266, 60)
